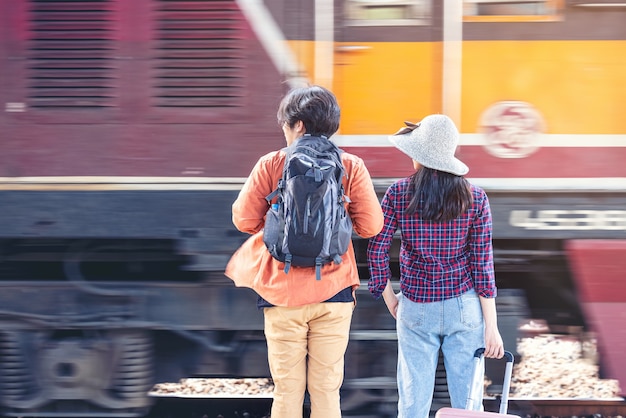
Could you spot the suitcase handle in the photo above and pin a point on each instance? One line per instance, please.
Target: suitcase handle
(479, 357)
(481, 351)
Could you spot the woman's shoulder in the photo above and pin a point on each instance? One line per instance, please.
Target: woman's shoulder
(480, 196)
(477, 190)
(400, 184)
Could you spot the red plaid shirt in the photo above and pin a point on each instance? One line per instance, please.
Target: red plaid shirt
(438, 260)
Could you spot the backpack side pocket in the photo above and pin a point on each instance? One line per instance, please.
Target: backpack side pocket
(274, 231)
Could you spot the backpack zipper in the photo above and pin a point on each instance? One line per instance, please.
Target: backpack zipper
(307, 214)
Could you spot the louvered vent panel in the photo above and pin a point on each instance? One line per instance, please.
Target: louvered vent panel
(200, 56)
(71, 54)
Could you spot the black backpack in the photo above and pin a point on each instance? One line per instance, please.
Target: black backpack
(308, 224)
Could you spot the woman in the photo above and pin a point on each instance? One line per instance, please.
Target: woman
(447, 278)
(307, 321)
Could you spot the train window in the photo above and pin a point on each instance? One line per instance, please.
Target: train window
(511, 10)
(387, 12)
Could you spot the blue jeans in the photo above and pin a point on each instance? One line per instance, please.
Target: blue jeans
(454, 325)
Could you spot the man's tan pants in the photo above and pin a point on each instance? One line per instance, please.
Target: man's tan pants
(306, 347)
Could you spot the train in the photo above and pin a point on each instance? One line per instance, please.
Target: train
(129, 126)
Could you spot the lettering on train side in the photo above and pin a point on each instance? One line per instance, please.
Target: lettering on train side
(577, 219)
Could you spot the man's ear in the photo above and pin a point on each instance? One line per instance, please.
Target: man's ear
(299, 127)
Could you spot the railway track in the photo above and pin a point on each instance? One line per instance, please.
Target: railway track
(246, 407)
(561, 407)
(553, 379)
(259, 407)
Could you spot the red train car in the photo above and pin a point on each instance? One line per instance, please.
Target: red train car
(129, 127)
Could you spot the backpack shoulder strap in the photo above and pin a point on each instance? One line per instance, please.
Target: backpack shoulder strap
(281, 180)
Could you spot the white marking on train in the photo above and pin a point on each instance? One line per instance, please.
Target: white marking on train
(546, 140)
(104, 183)
(274, 41)
(324, 47)
(452, 59)
(578, 219)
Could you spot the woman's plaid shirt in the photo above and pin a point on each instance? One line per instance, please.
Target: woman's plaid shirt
(438, 260)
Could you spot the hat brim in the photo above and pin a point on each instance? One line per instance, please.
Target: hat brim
(405, 143)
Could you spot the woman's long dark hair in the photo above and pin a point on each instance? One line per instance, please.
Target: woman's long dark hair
(438, 196)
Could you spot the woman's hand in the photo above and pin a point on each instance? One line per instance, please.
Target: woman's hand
(494, 347)
(391, 300)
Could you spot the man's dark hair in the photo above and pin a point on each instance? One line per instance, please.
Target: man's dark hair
(315, 106)
(438, 196)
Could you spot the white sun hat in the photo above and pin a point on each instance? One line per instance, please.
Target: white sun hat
(432, 142)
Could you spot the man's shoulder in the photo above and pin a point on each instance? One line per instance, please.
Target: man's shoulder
(272, 155)
(351, 159)
(272, 158)
(270, 164)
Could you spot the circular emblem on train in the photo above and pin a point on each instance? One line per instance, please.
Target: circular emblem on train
(512, 129)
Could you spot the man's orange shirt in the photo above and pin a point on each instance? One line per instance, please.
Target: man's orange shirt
(252, 265)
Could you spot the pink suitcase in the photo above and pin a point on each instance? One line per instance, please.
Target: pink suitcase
(473, 407)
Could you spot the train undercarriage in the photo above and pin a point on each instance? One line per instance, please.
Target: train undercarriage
(90, 323)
